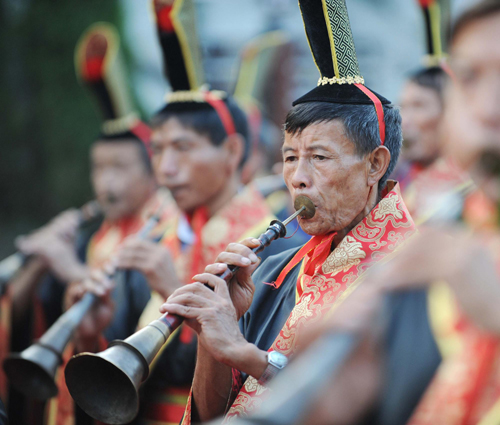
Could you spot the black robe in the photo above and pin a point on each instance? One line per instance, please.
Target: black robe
(411, 355)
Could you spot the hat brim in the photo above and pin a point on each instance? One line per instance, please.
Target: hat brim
(339, 93)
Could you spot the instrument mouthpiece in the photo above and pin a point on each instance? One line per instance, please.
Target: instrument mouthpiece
(309, 208)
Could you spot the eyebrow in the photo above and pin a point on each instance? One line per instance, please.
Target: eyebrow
(320, 146)
(182, 139)
(176, 141)
(314, 146)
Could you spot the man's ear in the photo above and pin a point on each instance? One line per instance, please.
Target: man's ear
(379, 163)
(235, 148)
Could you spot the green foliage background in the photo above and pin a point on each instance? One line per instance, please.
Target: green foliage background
(47, 121)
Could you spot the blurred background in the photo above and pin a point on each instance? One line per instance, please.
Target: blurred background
(48, 121)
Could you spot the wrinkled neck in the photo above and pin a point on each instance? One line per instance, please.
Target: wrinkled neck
(371, 202)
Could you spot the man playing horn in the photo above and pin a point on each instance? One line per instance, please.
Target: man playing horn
(341, 142)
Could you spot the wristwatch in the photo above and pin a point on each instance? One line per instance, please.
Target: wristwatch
(275, 362)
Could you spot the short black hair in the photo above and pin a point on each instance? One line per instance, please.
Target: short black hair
(129, 137)
(477, 12)
(360, 122)
(434, 78)
(206, 121)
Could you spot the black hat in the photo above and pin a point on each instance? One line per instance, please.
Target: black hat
(433, 16)
(330, 38)
(99, 67)
(177, 31)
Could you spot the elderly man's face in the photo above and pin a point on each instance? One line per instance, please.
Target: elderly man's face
(473, 102)
(322, 163)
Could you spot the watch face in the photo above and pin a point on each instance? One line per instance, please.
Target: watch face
(277, 359)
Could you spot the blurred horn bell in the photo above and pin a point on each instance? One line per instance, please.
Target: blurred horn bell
(32, 371)
(106, 385)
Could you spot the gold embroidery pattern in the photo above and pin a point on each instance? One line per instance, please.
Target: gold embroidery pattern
(243, 405)
(216, 230)
(389, 211)
(251, 385)
(246, 211)
(301, 310)
(286, 341)
(349, 253)
(388, 206)
(340, 29)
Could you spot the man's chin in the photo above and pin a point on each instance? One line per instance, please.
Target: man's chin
(114, 214)
(187, 206)
(312, 228)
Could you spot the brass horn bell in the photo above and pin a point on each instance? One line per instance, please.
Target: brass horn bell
(106, 385)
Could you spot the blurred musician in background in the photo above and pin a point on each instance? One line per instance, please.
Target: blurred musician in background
(423, 171)
(124, 185)
(422, 110)
(466, 389)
